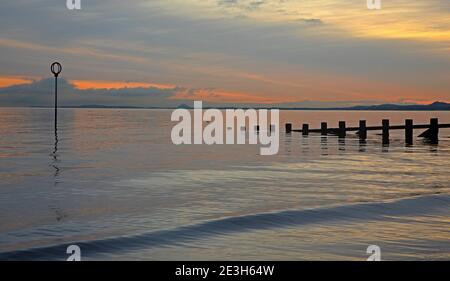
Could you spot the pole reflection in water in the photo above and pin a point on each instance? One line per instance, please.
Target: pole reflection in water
(288, 143)
(324, 145)
(362, 145)
(55, 207)
(305, 144)
(55, 157)
(341, 142)
(385, 147)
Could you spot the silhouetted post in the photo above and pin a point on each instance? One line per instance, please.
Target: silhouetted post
(342, 129)
(56, 69)
(324, 128)
(288, 128)
(257, 128)
(305, 130)
(362, 130)
(385, 131)
(434, 131)
(409, 131)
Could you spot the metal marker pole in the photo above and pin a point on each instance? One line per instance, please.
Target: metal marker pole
(56, 101)
(56, 69)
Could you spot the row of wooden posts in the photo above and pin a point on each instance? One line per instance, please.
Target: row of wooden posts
(432, 132)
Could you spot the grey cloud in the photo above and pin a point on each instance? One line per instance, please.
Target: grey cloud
(241, 5)
(119, 22)
(227, 2)
(311, 21)
(41, 93)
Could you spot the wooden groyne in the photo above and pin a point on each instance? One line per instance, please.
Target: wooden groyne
(431, 133)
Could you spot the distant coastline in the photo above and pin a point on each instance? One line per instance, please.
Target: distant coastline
(436, 106)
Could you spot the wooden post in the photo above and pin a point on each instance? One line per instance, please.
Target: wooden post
(342, 129)
(409, 131)
(385, 131)
(305, 130)
(362, 130)
(288, 128)
(434, 131)
(324, 128)
(432, 134)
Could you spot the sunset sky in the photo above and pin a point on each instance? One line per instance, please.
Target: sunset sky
(167, 52)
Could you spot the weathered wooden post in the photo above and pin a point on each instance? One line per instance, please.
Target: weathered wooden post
(305, 129)
(434, 131)
(409, 128)
(362, 130)
(385, 131)
(324, 128)
(288, 128)
(432, 134)
(342, 129)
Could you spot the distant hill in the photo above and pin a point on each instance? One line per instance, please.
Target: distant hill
(433, 106)
(436, 106)
(184, 106)
(386, 107)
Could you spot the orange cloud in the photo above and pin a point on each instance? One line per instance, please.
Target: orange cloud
(109, 85)
(8, 81)
(211, 95)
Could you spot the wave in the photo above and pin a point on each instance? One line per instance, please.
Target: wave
(420, 205)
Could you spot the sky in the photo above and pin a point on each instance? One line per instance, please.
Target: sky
(168, 52)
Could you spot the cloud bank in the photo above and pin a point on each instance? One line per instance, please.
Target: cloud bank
(40, 93)
(246, 50)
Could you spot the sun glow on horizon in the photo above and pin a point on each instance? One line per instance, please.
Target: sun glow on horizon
(110, 85)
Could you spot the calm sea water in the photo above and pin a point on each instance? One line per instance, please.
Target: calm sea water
(112, 182)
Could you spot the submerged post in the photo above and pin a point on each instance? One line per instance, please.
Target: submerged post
(305, 129)
(409, 131)
(362, 130)
(324, 128)
(385, 131)
(342, 129)
(288, 128)
(56, 69)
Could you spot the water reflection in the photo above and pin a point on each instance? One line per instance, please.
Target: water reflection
(115, 173)
(55, 207)
(362, 145)
(55, 157)
(305, 144)
(288, 143)
(341, 143)
(324, 145)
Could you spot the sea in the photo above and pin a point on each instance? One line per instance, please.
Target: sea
(111, 182)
